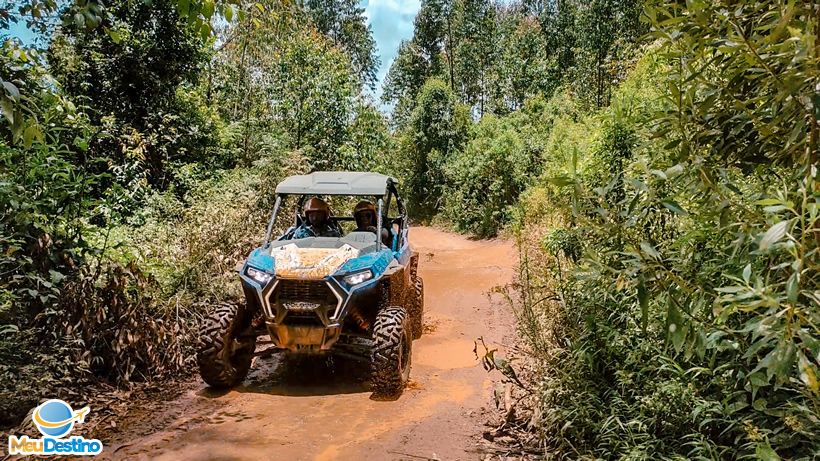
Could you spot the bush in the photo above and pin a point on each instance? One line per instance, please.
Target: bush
(688, 328)
(486, 177)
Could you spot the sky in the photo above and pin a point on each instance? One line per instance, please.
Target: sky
(20, 31)
(391, 21)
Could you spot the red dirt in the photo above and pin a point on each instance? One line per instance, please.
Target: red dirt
(307, 409)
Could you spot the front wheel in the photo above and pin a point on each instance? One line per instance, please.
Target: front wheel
(224, 355)
(392, 351)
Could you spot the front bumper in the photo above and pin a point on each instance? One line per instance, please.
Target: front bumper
(303, 315)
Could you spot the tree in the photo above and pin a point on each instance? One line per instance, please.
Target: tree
(129, 77)
(436, 130)
(369, 145)
(313, 103)
(344, 23)
(417, 59)
(281, 82)
(404, 80)
(476, 50)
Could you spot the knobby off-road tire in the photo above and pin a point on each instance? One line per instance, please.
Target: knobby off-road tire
(416, 309)
(392, 351)
(224, 359)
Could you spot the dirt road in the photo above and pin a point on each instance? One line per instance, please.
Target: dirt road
(310, 410)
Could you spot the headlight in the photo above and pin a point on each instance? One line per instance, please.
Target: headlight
(358, 277)
(258, 275)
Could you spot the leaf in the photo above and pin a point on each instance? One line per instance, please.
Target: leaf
(30, 133)
(765, 452)
(7, 109)
(734, 407)
(116, 37)
(205, 30)
(650, 250)
(672, 206)
(778, 362)
(747, 273)
(676, 170)
(560, 181)
(792, 286)
(12, 90)
(182, 7)
(676, 327)
(807, 374)
(208, 9)
(773, 235)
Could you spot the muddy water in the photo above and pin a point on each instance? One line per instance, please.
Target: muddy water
(309, 409)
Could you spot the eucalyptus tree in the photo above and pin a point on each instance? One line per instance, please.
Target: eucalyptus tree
(344, 23)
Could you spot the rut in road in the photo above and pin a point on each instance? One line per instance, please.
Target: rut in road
(307, 409)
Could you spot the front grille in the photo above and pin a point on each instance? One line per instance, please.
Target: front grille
(309, 291)
(302, 302)
(302, 318)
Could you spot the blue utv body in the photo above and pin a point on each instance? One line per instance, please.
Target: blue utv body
(355, 295)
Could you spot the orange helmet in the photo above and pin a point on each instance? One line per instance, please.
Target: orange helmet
(317, 204)
(362, 206)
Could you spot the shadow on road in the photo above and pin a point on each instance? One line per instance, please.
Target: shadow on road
(299, 376)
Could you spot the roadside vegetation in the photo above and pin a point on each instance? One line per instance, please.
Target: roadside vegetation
(656, 162)
(138, 155)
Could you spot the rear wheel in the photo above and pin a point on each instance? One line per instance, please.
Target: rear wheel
(416, 311)
(224, 355)
(392, 351)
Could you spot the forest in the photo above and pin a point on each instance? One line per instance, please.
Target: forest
(655, 161)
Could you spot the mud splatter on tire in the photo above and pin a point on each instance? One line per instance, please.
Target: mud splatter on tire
(391, 356)
(223, 360)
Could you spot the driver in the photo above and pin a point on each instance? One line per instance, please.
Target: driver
(365, 215)
(317, 221)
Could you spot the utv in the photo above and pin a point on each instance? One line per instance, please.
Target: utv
(357, 296)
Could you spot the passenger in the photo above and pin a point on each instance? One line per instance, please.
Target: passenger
(366, 221)
(317, 221)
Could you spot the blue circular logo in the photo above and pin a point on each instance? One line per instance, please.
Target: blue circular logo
(54, 418)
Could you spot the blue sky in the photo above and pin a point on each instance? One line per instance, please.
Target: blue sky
(391, 20)
(20, 31)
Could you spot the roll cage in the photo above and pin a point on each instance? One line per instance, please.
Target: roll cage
(383, 202)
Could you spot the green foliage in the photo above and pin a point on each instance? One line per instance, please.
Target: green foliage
(369, 145)
(688, 328)
(344, 23)
(132, 182)
(43, 198)
(486, 177)
(494, 56)
(404, 80)
(296, 90)
(742, 105)
(436, 131)
(130, 83)
(314, 101)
